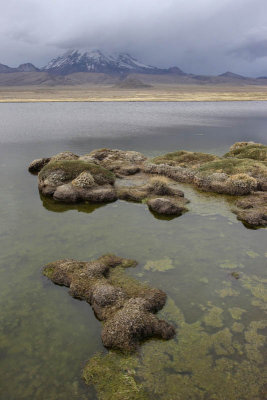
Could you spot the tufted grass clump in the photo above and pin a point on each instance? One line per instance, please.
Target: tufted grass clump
(251, 150)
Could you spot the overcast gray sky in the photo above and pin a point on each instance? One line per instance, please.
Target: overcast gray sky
(199, 36)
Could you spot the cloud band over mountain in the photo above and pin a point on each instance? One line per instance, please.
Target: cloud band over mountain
(201, 36)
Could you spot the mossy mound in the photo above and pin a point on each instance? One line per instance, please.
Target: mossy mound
(71, 181)
(239, 172)
(232, 176)
(254, 151)
(252, 210)
(124, 305)
(184, 158)
(70, 169)
(233, 166)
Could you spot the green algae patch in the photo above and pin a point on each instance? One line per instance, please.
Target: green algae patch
(227, 264)
(237, 327)
(213, 317)
(184, 158)
(186, 369)
(256, 285)
(227, 291)
(255, 341)
(252, 254)
(113, 376)
(236, 312)
(72, 168)
(254, 151)
(162, 265)
(195, 366)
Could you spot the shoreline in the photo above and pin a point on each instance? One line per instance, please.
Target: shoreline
(125, 100)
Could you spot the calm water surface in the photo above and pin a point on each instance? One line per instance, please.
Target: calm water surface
(46, 336)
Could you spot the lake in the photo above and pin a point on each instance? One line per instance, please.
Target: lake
(46, 336)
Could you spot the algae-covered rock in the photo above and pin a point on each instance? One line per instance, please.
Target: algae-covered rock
(124, 305)
(252, 209)
(252, 150)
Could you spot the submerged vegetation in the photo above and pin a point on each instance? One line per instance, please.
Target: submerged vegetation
(197, 365)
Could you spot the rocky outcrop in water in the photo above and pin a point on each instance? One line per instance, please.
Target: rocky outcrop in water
(239, 172)
(125, 306)
(70, 178)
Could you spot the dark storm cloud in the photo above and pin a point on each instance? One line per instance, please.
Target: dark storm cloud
(252, 50)
(200, 36)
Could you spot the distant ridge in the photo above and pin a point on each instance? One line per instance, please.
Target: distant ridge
(81, 66)
(230, 74)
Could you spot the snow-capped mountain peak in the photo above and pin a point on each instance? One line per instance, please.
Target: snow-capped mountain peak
(96, 61)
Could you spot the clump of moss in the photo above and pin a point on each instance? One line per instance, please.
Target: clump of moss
(184, 158)
(72, 168)
(124, 305)
(254, 151)
(232, 176)
(232, 166)
(114, 377)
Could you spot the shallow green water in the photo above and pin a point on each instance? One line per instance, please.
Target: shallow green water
(46, 336)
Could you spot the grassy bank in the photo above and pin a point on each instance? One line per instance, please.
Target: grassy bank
(110, 93)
